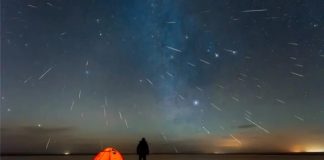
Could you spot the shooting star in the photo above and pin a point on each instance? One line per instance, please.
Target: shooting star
(49, 4)
(199, 89)
(41, 77)
(255, 10)
(164, 137)
(104, 110)
(235, 99)
(79, 95)
(181, 97)
(213, 105)
(120, 116)
(169, 74)
(149, 81)
(206, 130)
(204, 61)
(299, 118)
(48, 142)
(32, 6)
(220, 86)
(175, 149)
(296, 74)
(293, 44)
(280, 101)
(63, 33)
(72, 105)
(230, 51)
(238, 141)
(299, 65)
(126, 123)
(191, 64)
(263, 129)
(28, 79)
(174, 49)
(293, 58)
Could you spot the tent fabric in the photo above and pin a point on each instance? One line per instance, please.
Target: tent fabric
(109, 154)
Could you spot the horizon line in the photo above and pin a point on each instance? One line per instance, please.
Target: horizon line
(165, 153)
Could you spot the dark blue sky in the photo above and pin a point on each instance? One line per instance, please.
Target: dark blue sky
(190, 76)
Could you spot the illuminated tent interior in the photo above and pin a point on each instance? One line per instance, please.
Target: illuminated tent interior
(109, 154)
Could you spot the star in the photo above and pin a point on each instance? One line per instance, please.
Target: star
(195, 102)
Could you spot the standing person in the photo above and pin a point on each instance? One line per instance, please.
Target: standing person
(142, 149)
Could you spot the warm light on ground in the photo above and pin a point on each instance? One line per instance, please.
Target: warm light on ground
(66, 153)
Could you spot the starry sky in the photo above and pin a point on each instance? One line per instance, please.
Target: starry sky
(208, 76)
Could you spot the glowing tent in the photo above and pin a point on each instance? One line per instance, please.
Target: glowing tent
(109, 154)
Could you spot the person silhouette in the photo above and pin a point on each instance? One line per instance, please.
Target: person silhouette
(142, 149)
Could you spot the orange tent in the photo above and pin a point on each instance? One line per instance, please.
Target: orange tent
(109, 154)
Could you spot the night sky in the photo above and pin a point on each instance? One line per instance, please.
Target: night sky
(207, 76)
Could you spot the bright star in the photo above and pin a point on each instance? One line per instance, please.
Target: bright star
(196, 102)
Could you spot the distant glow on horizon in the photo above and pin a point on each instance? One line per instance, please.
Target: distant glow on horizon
(296, 149)
(217, 152)
(67, 153)
(314, 148)
(228, 143)
(307, 148)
